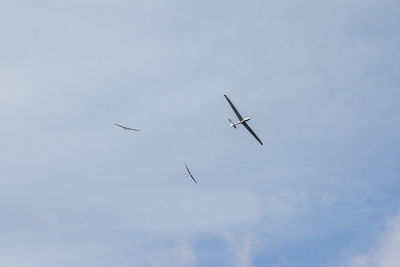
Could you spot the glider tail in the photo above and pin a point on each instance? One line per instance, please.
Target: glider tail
(232, 124)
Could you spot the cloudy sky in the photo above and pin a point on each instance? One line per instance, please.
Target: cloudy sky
(320, 80)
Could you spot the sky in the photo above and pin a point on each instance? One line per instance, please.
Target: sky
(320, 80)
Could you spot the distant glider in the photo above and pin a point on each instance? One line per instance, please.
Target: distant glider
(126, 128)
(189, 174)
(241, 120)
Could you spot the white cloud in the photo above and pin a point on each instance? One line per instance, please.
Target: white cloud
(243, 248)
(178, 255)
(386, 253)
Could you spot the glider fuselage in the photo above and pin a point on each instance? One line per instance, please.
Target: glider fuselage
(240, 122)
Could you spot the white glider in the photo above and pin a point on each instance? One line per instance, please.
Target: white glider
(126, 128)
(241, 120)
(189, 174)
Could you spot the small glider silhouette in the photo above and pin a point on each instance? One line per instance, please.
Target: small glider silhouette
(189, 174)
(126, 128)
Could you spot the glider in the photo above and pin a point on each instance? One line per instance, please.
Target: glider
(126, 128)
(241, 120)
(189, 174)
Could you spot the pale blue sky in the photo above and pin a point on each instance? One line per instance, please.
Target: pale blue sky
(320, 80)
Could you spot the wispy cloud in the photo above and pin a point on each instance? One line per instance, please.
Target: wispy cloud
(243, 248)
(385, 252)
